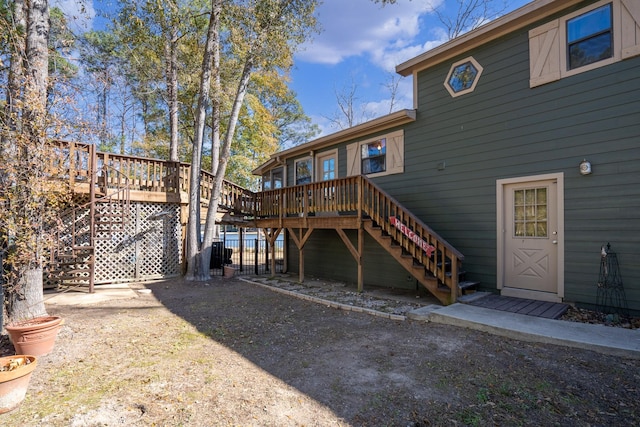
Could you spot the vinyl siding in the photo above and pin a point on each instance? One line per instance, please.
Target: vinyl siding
(505, 129)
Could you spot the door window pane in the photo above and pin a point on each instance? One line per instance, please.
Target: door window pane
(530, 212)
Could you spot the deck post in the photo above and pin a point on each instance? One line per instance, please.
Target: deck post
(360, 252)
(454, 278)
(300, 257)
(93, 178)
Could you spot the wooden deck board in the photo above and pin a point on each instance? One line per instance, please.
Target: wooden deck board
(549, 310)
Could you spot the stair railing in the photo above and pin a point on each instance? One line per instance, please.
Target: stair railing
(233, 197)
(438, 257)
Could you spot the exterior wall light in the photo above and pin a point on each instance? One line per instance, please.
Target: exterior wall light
(585, 167)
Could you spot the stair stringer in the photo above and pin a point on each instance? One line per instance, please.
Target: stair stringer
(407, 262)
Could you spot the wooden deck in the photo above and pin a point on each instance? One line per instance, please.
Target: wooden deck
(547, 310)
(350, 203)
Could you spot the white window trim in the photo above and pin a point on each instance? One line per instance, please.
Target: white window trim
(615, 32)
(478, 67)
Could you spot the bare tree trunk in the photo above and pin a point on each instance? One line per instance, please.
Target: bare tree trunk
(215, 104)
(27, 300)
(210, 225)
(16, 67)
(195, 270)
(224, 160)
(171, 52)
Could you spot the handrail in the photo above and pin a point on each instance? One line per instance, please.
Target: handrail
(72, 161)
(232, 196)
(416, 238)
(336, 195)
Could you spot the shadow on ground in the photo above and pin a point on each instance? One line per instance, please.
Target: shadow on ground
(375, 371)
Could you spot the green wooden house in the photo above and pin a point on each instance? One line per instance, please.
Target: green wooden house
(521, 158)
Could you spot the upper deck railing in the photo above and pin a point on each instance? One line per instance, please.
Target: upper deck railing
(72, 161)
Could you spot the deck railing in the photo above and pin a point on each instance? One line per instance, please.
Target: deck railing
(353, 195)
(72, 161)
(360, 195)
(336, 196)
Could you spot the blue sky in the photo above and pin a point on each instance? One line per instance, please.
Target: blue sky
(359, 45)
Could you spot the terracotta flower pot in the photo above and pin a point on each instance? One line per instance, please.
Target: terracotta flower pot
(35, 336)
(229, 271)
(15, 374)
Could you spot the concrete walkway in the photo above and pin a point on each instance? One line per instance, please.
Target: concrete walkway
(603, 339)
(81, 295)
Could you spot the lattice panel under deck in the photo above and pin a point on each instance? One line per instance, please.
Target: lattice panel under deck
(146, 246)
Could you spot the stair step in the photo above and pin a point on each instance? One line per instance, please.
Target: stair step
(466, 285)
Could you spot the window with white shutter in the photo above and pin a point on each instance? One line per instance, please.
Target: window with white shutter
(383, 155)
(595, 36)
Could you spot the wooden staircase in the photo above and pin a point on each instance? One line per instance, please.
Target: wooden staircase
(72, 258)
(429, 258)
(356, 203)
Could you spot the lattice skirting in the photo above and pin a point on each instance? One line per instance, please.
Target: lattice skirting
(146, 246)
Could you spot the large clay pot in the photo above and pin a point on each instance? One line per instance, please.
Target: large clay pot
(15, 374)
(35, 336)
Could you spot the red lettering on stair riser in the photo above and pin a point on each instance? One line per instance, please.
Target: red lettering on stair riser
(429, 249)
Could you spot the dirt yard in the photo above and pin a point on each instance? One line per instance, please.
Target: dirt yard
(230, 353)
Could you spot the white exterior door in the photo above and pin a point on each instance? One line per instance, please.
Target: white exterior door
(531, 239)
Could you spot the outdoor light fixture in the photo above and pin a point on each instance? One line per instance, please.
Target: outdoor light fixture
(585, 167)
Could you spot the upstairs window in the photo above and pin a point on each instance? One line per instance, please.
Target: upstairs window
(378, 156)
(374, 156)
(595, 36)
(590, 37)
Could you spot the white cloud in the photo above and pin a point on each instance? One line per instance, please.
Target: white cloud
(362, 27)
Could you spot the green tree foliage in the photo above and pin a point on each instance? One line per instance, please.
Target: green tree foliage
(141, 33)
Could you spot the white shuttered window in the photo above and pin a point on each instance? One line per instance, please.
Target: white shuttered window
(391, 159)
(549, 44)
